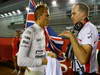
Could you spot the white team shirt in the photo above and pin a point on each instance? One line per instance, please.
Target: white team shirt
(33, 39)
(89, 35)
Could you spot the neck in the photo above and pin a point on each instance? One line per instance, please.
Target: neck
(84, 21)
(38, 22)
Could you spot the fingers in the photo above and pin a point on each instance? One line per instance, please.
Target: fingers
(51, 54)
(63, 33)
(44, 61)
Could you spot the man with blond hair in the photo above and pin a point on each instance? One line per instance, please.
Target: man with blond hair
(32, 47)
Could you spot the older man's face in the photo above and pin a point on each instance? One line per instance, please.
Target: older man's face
(76, 15)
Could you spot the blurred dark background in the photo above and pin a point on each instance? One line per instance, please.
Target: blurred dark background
(13, 14)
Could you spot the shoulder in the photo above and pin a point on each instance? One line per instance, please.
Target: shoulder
(28, 31)
(89, 28)
(89, 31)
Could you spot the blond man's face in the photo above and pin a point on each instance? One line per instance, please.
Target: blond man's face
(44, 19)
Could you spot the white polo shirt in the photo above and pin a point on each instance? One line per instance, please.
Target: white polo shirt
(89, 35)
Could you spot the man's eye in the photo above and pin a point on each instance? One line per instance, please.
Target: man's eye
(73, 13)
(47, 15)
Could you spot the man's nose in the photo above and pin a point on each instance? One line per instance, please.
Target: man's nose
(71, 16)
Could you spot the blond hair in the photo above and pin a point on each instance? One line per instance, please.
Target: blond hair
(40, 10)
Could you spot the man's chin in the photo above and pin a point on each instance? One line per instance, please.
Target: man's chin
(74, 23)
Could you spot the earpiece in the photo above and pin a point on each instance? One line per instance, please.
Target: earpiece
(79, 25)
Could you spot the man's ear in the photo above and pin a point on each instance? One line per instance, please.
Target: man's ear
(82, 16)
(81, 19)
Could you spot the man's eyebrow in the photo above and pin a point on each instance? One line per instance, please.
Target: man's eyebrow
(72, 12)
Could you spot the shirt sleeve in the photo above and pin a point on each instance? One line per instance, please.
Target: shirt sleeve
(88, 37)
(23, 58)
